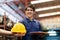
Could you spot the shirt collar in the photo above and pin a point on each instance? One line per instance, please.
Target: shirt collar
(29, 20)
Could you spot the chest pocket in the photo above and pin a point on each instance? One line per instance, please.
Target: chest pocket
(31, 26)
(36, 26)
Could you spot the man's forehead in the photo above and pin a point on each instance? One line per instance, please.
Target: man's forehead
(29, 8)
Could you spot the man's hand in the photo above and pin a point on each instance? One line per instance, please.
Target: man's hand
(19, 34)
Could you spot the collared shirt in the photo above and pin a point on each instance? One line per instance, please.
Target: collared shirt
(31, 26)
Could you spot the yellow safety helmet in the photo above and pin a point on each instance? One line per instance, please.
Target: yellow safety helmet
(18, 28)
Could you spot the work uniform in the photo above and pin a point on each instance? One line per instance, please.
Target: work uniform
(31, 26)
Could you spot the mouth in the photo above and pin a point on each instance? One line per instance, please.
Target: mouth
(29, 13)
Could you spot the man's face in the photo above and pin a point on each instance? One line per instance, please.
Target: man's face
(29, 12)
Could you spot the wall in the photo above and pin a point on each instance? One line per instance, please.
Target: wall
(50, 22)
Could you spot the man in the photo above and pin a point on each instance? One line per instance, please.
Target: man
(30, 23)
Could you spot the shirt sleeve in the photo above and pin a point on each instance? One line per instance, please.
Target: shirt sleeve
(40, 27)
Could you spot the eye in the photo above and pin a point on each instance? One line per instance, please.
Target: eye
(29, 10)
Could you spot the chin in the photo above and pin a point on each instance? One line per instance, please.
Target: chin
(29, 15)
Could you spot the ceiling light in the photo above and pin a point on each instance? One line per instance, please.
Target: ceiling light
(47, 8)
(40, 1)
(49, 14)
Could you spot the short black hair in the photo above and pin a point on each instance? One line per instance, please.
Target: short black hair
(31, 6)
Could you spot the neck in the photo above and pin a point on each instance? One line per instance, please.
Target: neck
(30, 18)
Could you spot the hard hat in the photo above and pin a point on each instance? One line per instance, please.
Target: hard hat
(18, 28)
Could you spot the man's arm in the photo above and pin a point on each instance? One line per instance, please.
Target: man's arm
(40, 26)
(2, 31)
(5, 32)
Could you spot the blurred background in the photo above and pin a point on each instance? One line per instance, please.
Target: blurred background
(47, 12)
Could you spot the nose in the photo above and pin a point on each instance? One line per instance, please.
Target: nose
(29, 11)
